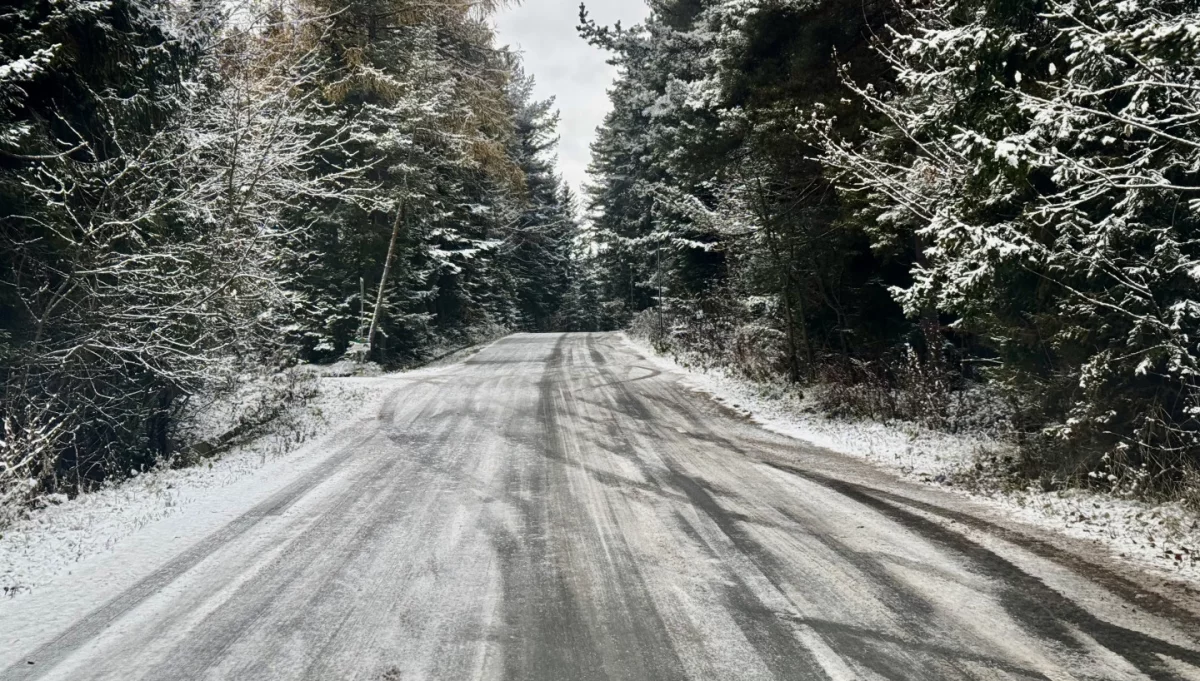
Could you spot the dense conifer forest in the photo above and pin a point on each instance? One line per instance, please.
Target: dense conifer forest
(963, 213)
(196, 192)
(967, 214)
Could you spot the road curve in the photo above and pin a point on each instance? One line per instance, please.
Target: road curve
(555, 509)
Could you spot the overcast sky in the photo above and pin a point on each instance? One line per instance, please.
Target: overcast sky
(567, 68)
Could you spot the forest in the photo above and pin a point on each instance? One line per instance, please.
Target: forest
(197, 195)
(967, 214)
(973, 215)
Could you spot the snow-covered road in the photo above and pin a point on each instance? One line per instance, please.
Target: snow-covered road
(558, 508)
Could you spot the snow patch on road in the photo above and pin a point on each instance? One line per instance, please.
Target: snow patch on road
(1164, 538)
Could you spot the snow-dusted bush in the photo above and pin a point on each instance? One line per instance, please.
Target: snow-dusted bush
(243, 406)
(713, 332)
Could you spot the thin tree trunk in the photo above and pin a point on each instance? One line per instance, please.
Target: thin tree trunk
(930, 322)
(793, 363)
(387, 270)
(785, 267)
(658, 276)
(791, 278)
(362, 307)
(804, 340)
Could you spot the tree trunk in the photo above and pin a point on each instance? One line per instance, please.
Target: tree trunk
(793, 360)
(362, 307)
(790, 280)
(387, 270)
(930, 323)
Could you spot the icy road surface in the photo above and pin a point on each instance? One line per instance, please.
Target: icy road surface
(556, 509)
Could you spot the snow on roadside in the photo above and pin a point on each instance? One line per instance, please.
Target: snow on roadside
(909, 448)
(51, 540)
(1163, 537)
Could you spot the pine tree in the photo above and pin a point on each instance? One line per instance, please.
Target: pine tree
(1042, 153)
(538, 247)
(707, 193)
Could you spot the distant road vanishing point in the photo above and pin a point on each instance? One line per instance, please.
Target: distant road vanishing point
(557, 509)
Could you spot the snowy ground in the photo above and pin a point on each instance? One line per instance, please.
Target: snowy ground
(1164, 538)
(52, 540)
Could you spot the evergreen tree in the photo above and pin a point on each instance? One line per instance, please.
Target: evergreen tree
(798, 190)
(189, 195)
(538, 247)
(1043, 155)
(426, 96)
(706, 185)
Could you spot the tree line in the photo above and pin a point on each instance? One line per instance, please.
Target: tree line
(926, 209)
(191, 192)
